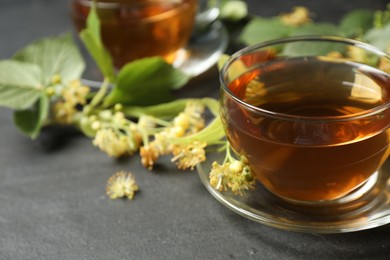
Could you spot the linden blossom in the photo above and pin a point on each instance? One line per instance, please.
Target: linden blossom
(232, 174)
(121, 184)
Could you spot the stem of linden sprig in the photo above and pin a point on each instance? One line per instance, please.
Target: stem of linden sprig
(100, 117)
(97, 98)
(228, 156)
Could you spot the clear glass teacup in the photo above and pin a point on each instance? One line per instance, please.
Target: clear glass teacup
(311, 116)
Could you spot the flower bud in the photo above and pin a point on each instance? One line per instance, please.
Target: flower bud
(236, 166)
(56, 79)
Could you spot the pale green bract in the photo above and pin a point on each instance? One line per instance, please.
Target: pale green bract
(92, 40)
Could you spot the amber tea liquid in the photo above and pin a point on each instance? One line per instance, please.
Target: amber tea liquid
(134, 29)
(310, 159)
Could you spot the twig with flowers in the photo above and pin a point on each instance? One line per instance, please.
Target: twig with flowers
(41, 83)
(131, 112)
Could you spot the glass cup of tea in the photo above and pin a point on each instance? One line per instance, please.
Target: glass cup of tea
(310, 115)
(134, 29)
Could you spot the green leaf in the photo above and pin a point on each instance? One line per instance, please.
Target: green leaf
(146, 81)
(261, 30)
(92, 40)
(379, 37)
(314, 48)
(211, 134)
(54, 55)
(316, 29)
(170, 109)
(30, 121)
(165, 110)
(356, 22)
(20, 85)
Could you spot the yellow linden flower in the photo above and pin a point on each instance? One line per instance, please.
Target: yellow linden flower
(185, 123)
(357, 54)
(241, 181)
(182, 120)
(300, 15)
(134, 141)
(335, 54)
(149, 155)
(234, 175)
(109, 142)
(146, 122)
(217, 176)
(176, 131)
(75, 93)
(56, 79)
(63, 112)
(188, 156)
(194, 109)
(189, 121)
(161, 143)
(384, 63)
(121, 184)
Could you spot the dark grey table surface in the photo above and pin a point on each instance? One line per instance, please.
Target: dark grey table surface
(52, 199)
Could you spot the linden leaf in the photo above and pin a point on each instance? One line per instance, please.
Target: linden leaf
(146, 81)
(20, 85)
(54, 55)
(314, 48)
(379, 37)
(30, 121)
(316, 29)
(261, 30)
(356, 22)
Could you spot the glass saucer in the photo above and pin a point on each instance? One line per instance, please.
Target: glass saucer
(369, 211)
(202, 52)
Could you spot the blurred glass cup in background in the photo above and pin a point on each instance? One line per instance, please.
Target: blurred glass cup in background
(134, 29)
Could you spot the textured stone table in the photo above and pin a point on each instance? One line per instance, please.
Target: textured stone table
(52, 199)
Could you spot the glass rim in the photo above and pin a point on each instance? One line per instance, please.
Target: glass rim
(126, 5)
(115, 5)
(336, 39)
